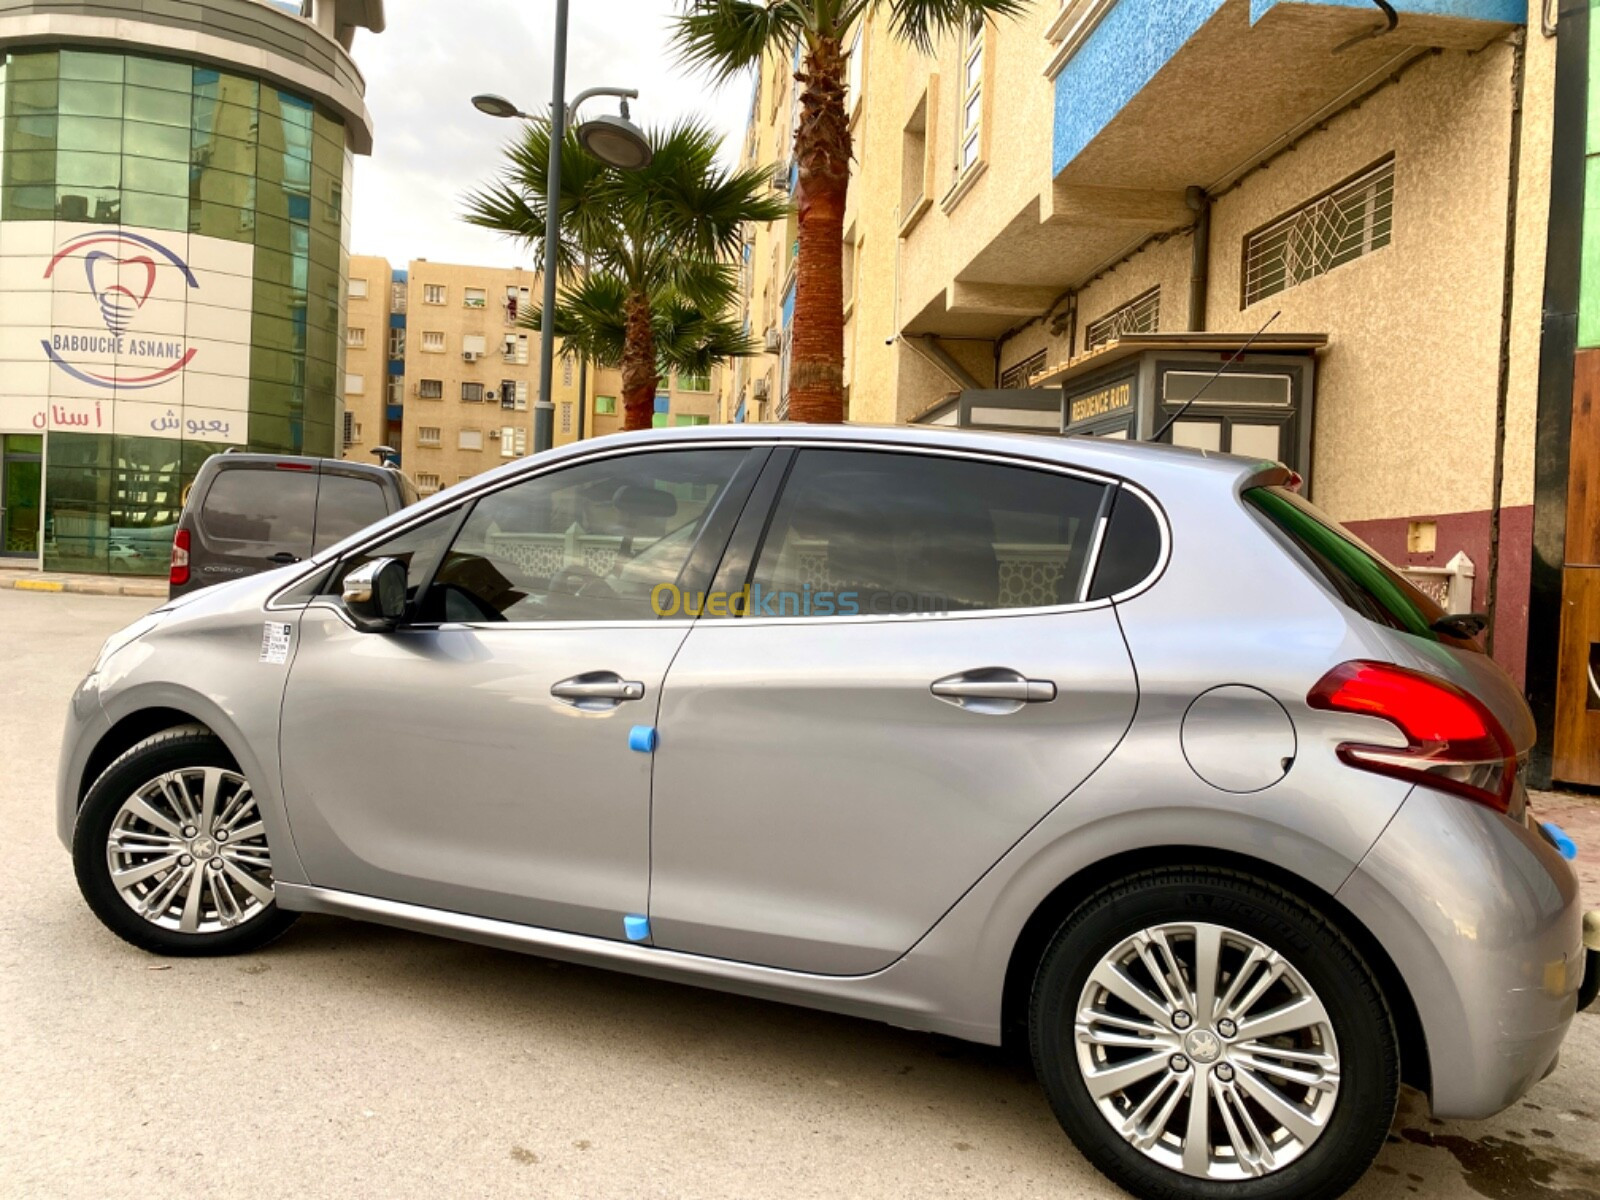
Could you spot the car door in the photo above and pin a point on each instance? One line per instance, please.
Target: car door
(478, 759)
(915, 680)
(254, 516)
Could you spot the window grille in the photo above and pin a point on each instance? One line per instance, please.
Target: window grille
(1343, 225)
(1142, 314)
(430, 389)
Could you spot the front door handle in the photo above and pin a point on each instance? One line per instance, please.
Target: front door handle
(597, 690)
(284, 557)
(993, 690)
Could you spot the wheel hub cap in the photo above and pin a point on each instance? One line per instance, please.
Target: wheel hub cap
(1207, 1051)
(188, 851)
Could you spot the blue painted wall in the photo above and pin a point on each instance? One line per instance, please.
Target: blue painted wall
(1138, 37)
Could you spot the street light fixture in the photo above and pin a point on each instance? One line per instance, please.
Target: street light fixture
(615, 141)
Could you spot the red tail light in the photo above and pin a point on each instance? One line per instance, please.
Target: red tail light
(1454, 742)
(180, 559)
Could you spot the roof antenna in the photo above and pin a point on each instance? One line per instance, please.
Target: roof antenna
(1237, 354)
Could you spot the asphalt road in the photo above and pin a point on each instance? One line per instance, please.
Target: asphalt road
(354, 1061)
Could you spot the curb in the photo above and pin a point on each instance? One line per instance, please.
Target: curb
(85, 587)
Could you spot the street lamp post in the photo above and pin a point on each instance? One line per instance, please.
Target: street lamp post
(615, 141)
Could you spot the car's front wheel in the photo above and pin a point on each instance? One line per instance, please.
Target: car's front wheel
(1201, 1033)
(171, 852)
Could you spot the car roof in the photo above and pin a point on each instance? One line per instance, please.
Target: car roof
(234, 459)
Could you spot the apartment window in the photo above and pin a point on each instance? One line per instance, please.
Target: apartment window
(474, 344)
(1338, 227)
(355, 385)
(355, 338)
(516, 302)
(605, 406)
(914, 163)
(694, 381)
(508, 393)
(396, 389)
(472, 393)
(688, 419)
(515, 348)
(522, 441)
(427, 484)
(397, 343)
(469, 439)
(433, 341)
(397, 296)
(566, 371)
(427, 435)
(521, 404)
(852, 93)
(1142, 314)
(430, 389)
(475, 298)
(847, 263)
(433, 293)
(566, 416)
(352, 429)
(1017, 376)
(358, 289)
(970, 125)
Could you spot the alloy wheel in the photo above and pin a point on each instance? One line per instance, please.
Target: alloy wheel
(1207, 1051)
(188, 852)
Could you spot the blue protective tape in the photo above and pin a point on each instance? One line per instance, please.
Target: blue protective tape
(636, 927)
(1563, 843)
(642, 738)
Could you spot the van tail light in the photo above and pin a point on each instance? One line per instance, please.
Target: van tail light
(180, 559)
(1455, 744)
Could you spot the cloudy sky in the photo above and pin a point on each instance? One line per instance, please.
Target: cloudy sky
(432, 145)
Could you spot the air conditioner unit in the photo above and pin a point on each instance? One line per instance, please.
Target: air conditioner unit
(489, 396)
(760, 390)
(780, 176)
(470, 355)
(494, 435)
(773, 340)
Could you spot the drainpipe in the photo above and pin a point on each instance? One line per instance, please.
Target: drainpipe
(1507, 294)
(1199, 202)
(1558, 343)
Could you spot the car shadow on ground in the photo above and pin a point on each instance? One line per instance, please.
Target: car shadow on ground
(722, 1040)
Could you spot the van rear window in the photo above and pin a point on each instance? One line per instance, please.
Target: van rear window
(1355, 571)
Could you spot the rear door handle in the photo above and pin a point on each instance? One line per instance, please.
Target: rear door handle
(994, 690)
(284, 557)
(597, 690)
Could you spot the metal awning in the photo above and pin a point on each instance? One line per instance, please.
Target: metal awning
(1133, 344)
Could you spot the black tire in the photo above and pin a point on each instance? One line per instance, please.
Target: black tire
(1330, 964)
(180, 748)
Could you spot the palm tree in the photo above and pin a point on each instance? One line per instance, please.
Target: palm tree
(646, 257)
(729, 36)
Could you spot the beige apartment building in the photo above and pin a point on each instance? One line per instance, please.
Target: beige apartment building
(439, 369)
(1068, 221)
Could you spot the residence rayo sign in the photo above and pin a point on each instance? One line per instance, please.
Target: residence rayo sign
(136, 332)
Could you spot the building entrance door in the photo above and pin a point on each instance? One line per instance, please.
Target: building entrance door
(21, 480)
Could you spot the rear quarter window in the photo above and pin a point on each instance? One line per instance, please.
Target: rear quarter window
(345, 504)
(1355, 572)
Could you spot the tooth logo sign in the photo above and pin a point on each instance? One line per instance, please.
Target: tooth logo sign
(122, 270)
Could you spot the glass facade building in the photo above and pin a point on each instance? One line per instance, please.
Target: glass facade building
(173, 246)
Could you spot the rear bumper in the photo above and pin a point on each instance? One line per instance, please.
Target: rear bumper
(1481, 917)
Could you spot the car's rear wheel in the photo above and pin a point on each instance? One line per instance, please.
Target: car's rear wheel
(1201, 1033)
(171, 852)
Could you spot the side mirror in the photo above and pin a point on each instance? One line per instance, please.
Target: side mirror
(374, 595)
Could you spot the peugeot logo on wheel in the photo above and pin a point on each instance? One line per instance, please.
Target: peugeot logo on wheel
(1203, 1046)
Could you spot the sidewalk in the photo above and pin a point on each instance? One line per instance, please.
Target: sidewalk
(150, 587)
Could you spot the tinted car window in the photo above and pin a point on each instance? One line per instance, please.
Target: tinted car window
(346, 504)
(271, 507)
(1355, 571)
(591, 542)
(1130, 549)
(865, 532)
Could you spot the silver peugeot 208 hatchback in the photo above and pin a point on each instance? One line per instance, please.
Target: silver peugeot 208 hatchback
(1125, 749)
